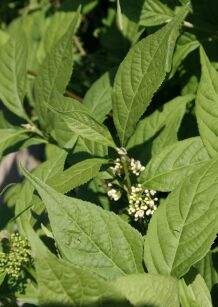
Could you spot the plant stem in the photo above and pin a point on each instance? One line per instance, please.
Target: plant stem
(125, 168)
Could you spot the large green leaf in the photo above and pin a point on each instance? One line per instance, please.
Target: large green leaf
(208, 268)
(155, 12)
(184, 227)
(76, 175)
(159, 129)
(149, 290)
(141, 74)
(193, 291)
(10, 137)
(168, 168)
(62, 284)
(90, 237)
(207, 105)
(98, 98)
(13, 74)
(55, 72)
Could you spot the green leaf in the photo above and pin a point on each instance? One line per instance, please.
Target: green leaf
(184, 227)
(207, 105)
(149, 290)
(26, 198)
(77, 120)
(193, 291)
(90, 237)
(92, 148)
(55, 72)
(159, 129)
(61, 283)
(76, 175)
(207, 267)
(186, 43)
(13, 74)
(58, 24)
(29, 295)
(128, 13)
(98, 98)
(141, 74)
(154, 13)
(168, 168)
(10, 137)
(2, 277)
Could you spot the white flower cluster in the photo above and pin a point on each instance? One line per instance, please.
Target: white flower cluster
(142, 202)
(133, 165)
(113, 193)
(117, 169)
(136, 167)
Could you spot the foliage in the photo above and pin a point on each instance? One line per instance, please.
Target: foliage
(122, 99)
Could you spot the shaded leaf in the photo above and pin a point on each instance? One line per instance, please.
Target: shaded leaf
(208, 268)
(10, 137)
(193, 291)
(159, 129)
(98, 98)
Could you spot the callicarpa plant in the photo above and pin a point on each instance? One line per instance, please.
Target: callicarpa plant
(118, 100)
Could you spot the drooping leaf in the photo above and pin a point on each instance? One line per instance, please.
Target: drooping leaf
(149, 290)
(207, 105)
(55, 72)
(158, 130)
(61, 283)
(90, 237)
(154, 13)
(76, 175)
(168, 168)
(98, 98)
(182, 230)
(140, 75)
(13, 74)
(193, 290)
(10, 137)
(78, 120)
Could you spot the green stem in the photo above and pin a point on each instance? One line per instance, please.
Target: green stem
(125, 168)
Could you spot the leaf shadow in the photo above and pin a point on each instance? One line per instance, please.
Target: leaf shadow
(143, 151)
